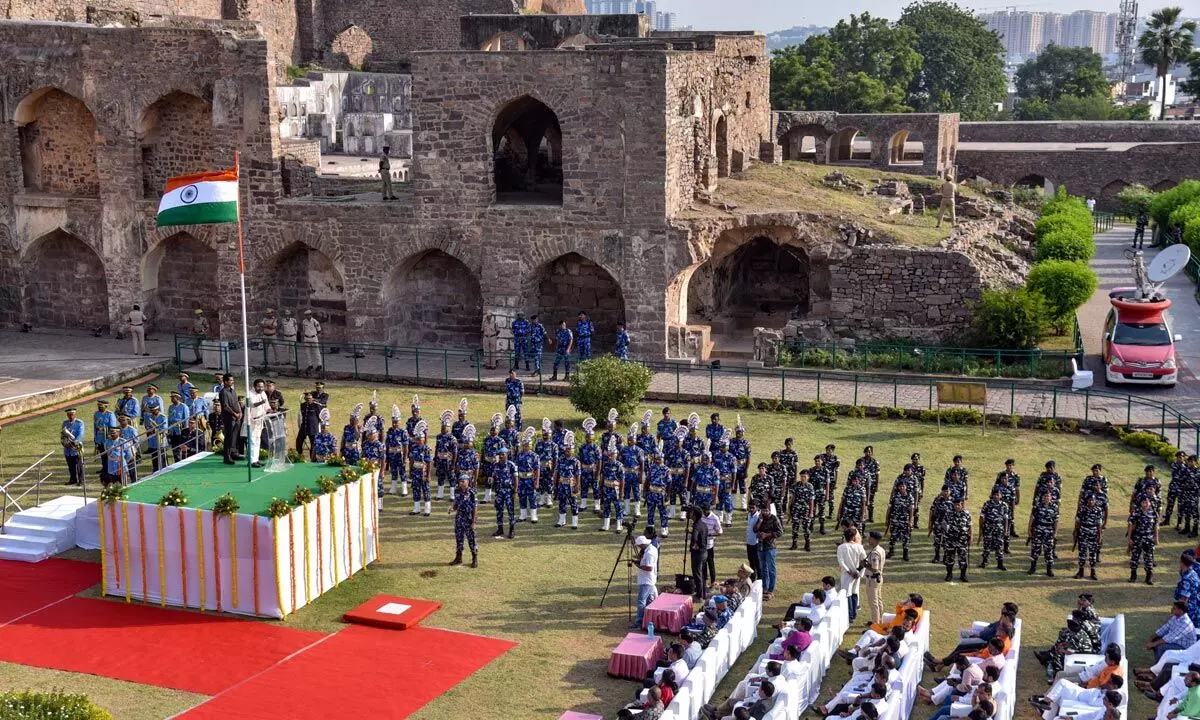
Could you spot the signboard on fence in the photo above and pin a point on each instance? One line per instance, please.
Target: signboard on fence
(962, 393)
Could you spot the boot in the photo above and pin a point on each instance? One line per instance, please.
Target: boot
(962, 575)
(575, 524)
(549, 500)
(440, 495)
(511, 531)
(983, 562)
(793, 547)
(637, 508)
(605, 527)
(562, 520)
(937, 554)
(524, 515)
(949, 573)
(1050, 569)
(499, 532)
(428, 508)
(1133, 575)
(416, 508)
(744, 496)
(487, 497)
(821, 526)
(393, 486)
(626, 507)
(1092, 574)
(1033, 567)
(1079, 572)
(457, 558)
(403, 488)
(1000, 562)
(905, 556)
(1149, 577)
(806, 547)
(566, 376)
(474, 559)
(554, 377)
(891, 551)
(597, 504)
(533, 516)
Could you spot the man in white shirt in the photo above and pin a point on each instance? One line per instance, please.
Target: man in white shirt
(851, 555)
(647, 562)
(747, 687)
(713, 521)
(137, 330)
(752, 537)
(257, 407)
(1066, 696)
(692, 649)
(675, 662)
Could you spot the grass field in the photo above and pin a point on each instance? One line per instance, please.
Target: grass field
(543, 589)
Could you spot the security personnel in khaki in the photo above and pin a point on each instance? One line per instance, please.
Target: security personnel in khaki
(200, 330)
(876, 558)
(137, 330)
(269, 328)
(288, 332)
(310, 337)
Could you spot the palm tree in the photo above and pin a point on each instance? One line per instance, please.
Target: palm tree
(1166, 43)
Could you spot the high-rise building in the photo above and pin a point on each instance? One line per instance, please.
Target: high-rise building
(659, 20)
(1027, 33)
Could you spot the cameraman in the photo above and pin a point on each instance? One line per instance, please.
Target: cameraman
(698, 548)
(647, 563)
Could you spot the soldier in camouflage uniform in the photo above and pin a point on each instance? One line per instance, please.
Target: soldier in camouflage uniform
(1086, 608)
(901, 513)
(832, 464)
(818, 476)
(994, 523)
(1049, 480)
(918, 471)
(1178, 479)
(790, 461)
(761, 488)
(1089, 529)
(1148, 486)
(1043, 527)
(956, 477)
(1189, 497)
(852, 509)
(871, 467)
(1142, 536)
(939, 510)
(1071, 639)
(1011, 493)
(957, 541)
(802, 497)
(1096, 484)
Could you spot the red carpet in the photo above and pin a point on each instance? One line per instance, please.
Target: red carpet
(360, 672)
(25, 587)
(168, 648)
(392, 613)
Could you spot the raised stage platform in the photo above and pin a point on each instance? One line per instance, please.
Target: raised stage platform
(244, 563)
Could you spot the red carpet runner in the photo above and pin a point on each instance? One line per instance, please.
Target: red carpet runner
(360, 672)
(168, 648)
(25, 587)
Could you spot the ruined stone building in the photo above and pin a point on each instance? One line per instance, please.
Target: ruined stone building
(555, 162)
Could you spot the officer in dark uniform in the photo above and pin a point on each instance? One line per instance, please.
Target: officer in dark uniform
(818, 475)
(1189, 497)
(666, 426)
(520, 332)
(584, 329)
(504, 476)
(1089, 531)
(564, 339)
(537, 345)
(852, 510)
(1009, 483)
(832, 465)
(899, 518)
(465, 509)
(939, 511)
(395, 443)
(918, 471)
(494, 452)
(1043, 527)
(871, 468)
(779, 482)
(420, 460)
(803, 505)
(957, 540)
(1178, 479)
(1096, 484)
(739, 446)
(1142, 535)
(994, 524)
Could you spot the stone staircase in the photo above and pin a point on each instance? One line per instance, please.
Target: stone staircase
(44, 531)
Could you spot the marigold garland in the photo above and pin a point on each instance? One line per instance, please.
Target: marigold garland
(125, 542)
(216, 560)
(275, 557)
(162, 562)
(200, 555)
(307, 578)
(182, 558)
(233, 558)
(292, 559)
(103, 564)
(375, 522)
(142, 540)
(362, 521)
(349, 539)
(112, 510)
(320, 555)
(333, 546)
(254, 560)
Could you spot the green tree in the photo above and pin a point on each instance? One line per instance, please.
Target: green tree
(606, 382)
(1135, 199)
(860, 65)
(1166, 42)
(1191, 86)
(1034, 108)
(1010, 319)
(1066, 285)
(963, 68)
(1059, 71)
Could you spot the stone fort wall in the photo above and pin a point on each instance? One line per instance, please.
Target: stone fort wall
(1078, 132)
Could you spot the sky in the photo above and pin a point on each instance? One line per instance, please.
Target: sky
(772, 15)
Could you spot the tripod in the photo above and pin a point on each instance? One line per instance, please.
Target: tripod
(623, 555)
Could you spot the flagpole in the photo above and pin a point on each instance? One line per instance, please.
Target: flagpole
(245, 326)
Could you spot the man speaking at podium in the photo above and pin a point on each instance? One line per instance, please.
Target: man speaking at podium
(257, 406)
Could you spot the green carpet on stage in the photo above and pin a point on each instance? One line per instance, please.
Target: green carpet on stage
(207, 479)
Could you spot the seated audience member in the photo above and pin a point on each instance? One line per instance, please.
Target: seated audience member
(1095, 675)
(720, 611)
(1074, 638)
(823, 599)
(876, 697)
(692, 650)
(709, 632)
(674, 662)
(1174, 693)
(981, 699)
(860, 684)
(800, 637)
(976, 638)
(652, 709)
(1072, 694)
(758, 708)
(1154, 685)
(1004, 631)
(793, 668)
(914, 601)
(1177, 633)
(968, 676)
(744, 577)
(730, 590)
(747, 687)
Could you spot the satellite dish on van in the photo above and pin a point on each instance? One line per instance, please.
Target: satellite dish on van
(1168, 263)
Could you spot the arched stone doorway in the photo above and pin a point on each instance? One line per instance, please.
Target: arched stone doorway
(65, 285)
(527, 164)
(806, 142)
(176, 134)
(904, 149)
(57, 135)
(761, 283)
(507, 41)
(1108, 200)
(1163, 185)
(571, 283)
(722, 147)
(433, 300)
(1038, 182)
(300, 278)
(179, 275)
(850, 145)
(351, 47)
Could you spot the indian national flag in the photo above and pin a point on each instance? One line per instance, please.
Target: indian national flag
(209, 197)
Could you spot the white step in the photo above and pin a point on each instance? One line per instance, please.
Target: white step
(25, 548)
(19, 525)
(50, 525)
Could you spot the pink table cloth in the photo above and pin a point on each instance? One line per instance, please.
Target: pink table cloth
(635, 656)
(669, 613)
(572, 715)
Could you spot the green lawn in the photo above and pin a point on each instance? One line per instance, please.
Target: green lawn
(543, 589)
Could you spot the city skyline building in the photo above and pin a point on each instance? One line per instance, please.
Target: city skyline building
(1026, 33)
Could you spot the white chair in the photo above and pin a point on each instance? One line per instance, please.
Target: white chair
(721, 646)
(681, 705)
